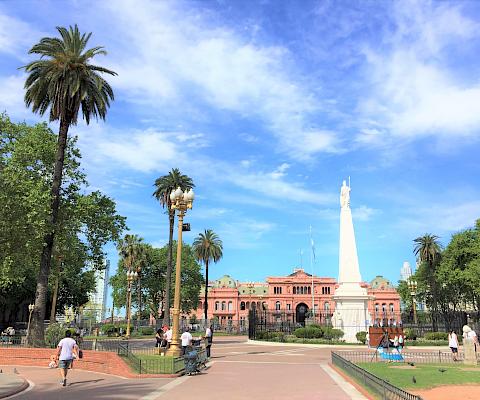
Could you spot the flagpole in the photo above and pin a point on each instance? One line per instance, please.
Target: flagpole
(311, 269)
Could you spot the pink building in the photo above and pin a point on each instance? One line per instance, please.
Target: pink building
(293, 295)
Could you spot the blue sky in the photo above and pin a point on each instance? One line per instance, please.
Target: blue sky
(268, 106)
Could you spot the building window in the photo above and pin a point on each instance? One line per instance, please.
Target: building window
(289, 306)
(230, 306)
(326, 306)
(309, 290)
(216, 305)
(247, 305)
(277, 306)
(200, 304)
(384, 308)
(224, 305)
(294, 290)
(391, 308)
(242, 305)
(264, 306)
(376, 308)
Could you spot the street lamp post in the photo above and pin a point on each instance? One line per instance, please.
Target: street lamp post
(412, 285)
(131, 276)
(31, 307)
(181, 202)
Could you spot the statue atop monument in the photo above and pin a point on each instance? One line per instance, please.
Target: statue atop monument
(345, 195)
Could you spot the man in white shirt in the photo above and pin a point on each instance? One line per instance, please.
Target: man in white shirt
(209, 339)
(186, 340)
(67, 350)
(168, 337)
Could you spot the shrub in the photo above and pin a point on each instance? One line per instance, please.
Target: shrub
(410, 334)
(146, 330)
(332, 333)
(308, 332)
(361, 336)
(54, 333)
(436, 336)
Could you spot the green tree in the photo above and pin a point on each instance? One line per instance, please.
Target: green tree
(428, 250)
(64, 81)
(85, 221)
(207, 247)
(164, 187)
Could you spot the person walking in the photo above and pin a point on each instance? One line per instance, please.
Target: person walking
(400, 343)
(209, 339)
(453, 344)
(67, 350)
(186, 340)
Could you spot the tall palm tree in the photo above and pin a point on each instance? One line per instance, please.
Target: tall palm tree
(428, 250)
(64, 81)
(164, 186)
(207, 247)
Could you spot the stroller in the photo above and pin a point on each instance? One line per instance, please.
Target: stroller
(194, 358)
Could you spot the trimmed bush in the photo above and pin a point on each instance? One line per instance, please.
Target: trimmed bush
(54, 333)
(308, 332)
(361, 336)
(332, 333)
(146, 330)
(436, 336)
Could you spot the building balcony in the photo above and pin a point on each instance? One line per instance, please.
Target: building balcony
(224, 312)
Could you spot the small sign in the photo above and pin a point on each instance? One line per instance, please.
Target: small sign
(186, 227)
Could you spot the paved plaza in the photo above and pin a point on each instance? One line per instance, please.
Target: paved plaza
(238, 370)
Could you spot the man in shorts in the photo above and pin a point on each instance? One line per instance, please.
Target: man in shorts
(67, 350)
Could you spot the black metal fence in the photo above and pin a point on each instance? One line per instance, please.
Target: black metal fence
(415, 357)
(156, 365)
(379, 386)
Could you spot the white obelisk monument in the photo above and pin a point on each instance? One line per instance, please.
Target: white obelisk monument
(351, 300)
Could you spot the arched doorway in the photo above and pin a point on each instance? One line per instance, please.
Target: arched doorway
(300, 313)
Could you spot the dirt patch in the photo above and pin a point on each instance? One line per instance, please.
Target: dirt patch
(471, 369)
(403, 366)
(464, 392)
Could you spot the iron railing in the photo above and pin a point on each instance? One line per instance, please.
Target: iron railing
(379, 386)
(157, 365)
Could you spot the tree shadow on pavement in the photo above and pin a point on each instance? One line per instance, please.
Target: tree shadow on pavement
(90, 381)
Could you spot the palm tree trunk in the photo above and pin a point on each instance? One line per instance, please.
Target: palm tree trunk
(37, 337)
(168, 277)
(205, 304)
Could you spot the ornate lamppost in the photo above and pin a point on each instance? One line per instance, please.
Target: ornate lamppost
(31, 307)
(131, 276)
(181, 202)
(412, 285)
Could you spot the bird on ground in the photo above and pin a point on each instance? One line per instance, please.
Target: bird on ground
(411, 364)
(442, 370)
(15, 371)
(414, 380)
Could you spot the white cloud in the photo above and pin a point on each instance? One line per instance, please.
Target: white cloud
(11, 96)
(416, 89)
(179, 55)
(244, 233)
(16, 36)
(363, 213)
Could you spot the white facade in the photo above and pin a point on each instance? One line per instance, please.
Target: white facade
(405, 271)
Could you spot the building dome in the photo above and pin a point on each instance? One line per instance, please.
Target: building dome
(380, 283)
(226, 281)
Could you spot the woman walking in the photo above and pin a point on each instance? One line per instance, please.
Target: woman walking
(453, 344)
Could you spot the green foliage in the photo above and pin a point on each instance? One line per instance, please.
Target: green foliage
(271, 336)
(54, 333)
(153, 279)
(85, 222)
(332, 333)
(316, 332)
(193, 319)
(436, 336)
(361, 336)
(410, 334)
(147, 330)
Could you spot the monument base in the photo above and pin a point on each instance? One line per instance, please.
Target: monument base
(351, 311)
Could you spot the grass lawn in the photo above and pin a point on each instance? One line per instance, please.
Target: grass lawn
(426, 375)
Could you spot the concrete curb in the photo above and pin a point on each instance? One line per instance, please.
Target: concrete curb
(24, 385)
(312, 345)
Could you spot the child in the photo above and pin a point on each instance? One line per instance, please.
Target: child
(53, 362)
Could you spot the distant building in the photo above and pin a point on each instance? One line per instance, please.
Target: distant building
(405, 271)
(96, 307)
(230, 300)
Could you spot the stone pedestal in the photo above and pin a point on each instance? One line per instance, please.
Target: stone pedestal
(469, 350)
(351, 311)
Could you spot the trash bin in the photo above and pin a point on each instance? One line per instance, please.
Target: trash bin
(191, 361)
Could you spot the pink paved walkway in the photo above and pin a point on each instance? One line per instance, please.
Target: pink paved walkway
(238, 371)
